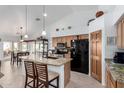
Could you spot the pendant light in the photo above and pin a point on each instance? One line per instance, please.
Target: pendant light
(44, 15)
(21, 36)
(26, 18)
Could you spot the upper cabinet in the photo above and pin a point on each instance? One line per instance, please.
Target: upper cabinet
(120, 34)
(67, 39)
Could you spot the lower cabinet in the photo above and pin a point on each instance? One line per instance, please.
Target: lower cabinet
(110, 82)
(120, 85)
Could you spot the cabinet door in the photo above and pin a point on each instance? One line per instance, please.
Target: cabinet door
(93, 55)
(54, 42)
(83, 36)
(119, 35)
(58, 39)
(122, 34)
(98, 55)
(64, 39)
(111, 83)
(68, 40)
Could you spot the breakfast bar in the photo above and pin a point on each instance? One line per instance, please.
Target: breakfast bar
(59, 65)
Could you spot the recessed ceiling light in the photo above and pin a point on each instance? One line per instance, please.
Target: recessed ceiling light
(37, 19)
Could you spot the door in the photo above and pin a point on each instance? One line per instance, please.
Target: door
(96, 55)
(119, 30)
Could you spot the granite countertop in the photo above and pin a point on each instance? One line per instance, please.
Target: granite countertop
(49, 61)
(116, 70)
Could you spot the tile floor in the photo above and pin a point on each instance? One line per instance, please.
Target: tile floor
(14, 77)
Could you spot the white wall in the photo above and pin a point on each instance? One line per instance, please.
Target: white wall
(97, 25)
(8, 38)
(111, 19)
(117, 13)
(78, 20)
(1, 50)
(110, 32)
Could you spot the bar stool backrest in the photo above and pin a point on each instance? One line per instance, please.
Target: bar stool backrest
(29, 68)
(42, 72)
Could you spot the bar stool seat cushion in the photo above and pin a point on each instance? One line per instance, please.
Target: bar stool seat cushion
(51, 76)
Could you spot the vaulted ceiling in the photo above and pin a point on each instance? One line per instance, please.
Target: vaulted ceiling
(12, 17)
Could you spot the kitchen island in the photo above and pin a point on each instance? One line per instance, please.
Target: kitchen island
(60, 65)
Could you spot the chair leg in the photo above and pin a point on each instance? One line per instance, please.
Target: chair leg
(13, 61)
(26, 81)
(34, 83)
(37, 82)
(17, 60)
(57, 82)
(46, 85)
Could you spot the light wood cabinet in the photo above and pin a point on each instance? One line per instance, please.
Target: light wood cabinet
(96, 54)
(120, 85)
(110, 82)
(120, 34)
(63, 39)
(67, 39)
(122, 31)
(59, 39)
(54, 42)
(83, 36)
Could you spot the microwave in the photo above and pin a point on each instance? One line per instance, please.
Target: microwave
(119, 57)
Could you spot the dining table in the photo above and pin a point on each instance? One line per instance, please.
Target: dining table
(20, 54)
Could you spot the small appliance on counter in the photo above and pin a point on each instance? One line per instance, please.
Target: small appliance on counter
(61, 49)
(119, 57)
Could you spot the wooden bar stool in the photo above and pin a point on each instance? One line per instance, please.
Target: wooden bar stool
(30, 74)
(44, 78)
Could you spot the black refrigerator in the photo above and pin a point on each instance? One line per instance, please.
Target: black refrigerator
(80, 56)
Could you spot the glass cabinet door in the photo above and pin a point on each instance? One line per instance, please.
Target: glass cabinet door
(24, 46)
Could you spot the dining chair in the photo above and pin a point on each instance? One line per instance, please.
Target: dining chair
(45, 77)
(30, 74)
(19, 59)
(13, 57)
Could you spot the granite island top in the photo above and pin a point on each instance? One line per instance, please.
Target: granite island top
(49, 61)
(116, 70)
